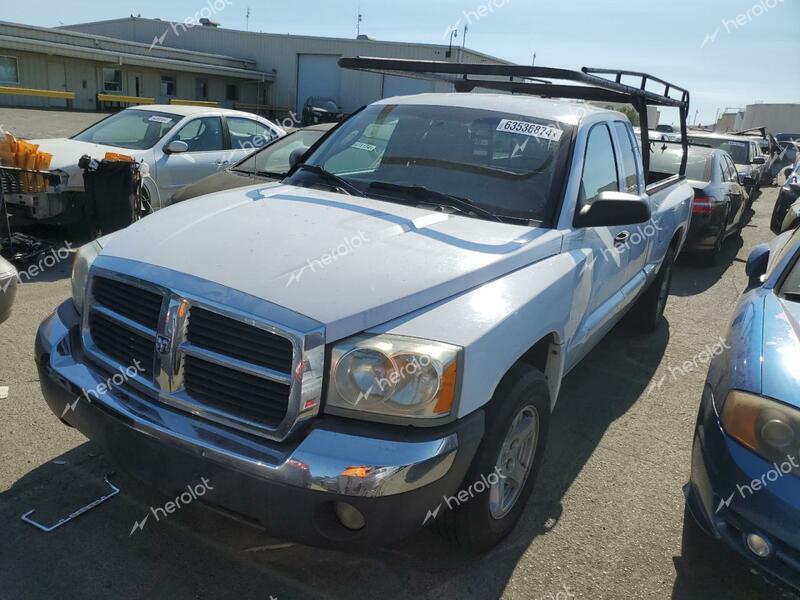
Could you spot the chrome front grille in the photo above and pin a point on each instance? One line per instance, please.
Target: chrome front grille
(133, 302)
(225, 389)
(126, 347)
(238, 340)
(217, 362)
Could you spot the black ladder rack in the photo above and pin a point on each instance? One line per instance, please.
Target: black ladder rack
(595, 85)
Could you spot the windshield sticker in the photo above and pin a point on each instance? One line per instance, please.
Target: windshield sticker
(739, 144)
(160, 119)
(530, 129)
(363, 146)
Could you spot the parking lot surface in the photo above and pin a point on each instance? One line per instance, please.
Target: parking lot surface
(606, 519)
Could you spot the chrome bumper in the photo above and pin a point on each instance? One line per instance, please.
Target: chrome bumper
(332, 457)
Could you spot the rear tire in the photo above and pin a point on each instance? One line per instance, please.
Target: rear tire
(517, 423)
(710, 258)
(648, 310)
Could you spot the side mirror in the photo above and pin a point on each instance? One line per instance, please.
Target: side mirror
(758, 160)
(747, 181)
(296, 155)
(176, 147)
(757, 264)
(610, 209)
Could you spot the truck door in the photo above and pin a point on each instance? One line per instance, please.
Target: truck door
(608, 259)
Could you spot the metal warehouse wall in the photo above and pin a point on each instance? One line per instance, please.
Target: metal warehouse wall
(777, 118)
(279, 53)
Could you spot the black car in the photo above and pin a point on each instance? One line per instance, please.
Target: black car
(272, 162)
(719, 208)
(789, 194)
(319, 109)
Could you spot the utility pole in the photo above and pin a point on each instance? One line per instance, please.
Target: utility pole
(533, 64)
(463, 44)
(247, 20)
(358, 22)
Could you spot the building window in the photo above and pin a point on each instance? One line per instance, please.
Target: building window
(112, 80)
(231, 92)
(168, 85)
(202, 89)
(8, 70)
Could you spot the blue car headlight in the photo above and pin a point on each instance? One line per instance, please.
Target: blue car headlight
(769, 428)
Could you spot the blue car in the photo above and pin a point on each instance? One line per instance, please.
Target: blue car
(745, 482)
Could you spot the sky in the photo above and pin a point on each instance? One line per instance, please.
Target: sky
(728, 53)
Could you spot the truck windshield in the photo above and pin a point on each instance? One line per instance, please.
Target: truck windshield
(509, 165)
(132, 129)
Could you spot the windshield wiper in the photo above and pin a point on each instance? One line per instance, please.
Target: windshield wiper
(338, 182)
(464, 205)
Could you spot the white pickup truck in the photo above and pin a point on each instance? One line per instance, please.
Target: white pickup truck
(378, 341)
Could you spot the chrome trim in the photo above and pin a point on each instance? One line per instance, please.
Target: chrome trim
(125, 322)
(235, 364)
(322, 461)
(306, 336)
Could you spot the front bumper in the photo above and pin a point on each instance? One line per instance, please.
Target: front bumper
(393, 476)
(725, 503)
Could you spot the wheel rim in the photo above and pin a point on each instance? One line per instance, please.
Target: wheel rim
(514, 462)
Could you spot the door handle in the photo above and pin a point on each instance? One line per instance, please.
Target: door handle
(621, 238)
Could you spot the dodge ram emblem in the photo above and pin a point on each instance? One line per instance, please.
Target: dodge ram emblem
(162, 344)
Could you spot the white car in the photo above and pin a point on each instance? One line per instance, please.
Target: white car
(179, 145)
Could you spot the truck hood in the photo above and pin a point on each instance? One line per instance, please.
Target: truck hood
(350, 263)
(66, 153)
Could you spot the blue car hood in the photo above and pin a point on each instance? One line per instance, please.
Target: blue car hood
(780, 365)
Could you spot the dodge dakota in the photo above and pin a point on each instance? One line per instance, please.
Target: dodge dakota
(377, 341)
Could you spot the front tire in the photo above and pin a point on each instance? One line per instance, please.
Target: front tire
(508, 458)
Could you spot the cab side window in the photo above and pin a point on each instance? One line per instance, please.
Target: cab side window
(599, 165)
(630, 166)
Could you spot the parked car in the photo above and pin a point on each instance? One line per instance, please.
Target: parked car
(270, 163)
(319, 109)
(744, 487)
(788, 195)
(720, 201)
(8, 288)
(388, 326)
(179, 145)
(787, 156)
(745, 154)
(792, 219)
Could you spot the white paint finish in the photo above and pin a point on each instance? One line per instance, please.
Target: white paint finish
(188, 167)
(272, 241)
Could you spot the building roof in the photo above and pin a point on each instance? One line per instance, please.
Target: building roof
(222, 30)
(73, 44)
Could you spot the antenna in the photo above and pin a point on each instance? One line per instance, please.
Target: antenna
(358, 22)
(247, 19)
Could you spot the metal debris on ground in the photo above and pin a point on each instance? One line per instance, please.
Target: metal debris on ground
(72, 515)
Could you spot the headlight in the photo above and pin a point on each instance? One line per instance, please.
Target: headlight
(393, 376)
(767, 427)
(84, 258)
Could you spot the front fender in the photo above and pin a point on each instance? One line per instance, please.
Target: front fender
(498, 322)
